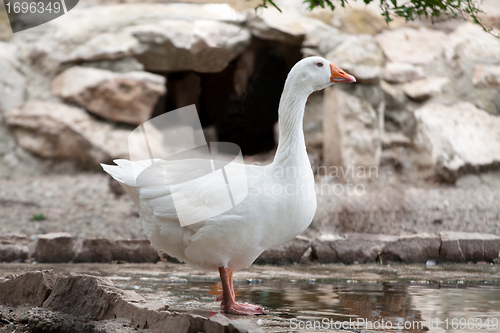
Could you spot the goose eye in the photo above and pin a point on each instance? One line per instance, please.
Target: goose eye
(319, 64)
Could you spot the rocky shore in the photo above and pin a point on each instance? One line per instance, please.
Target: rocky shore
(350, 248)
(85, 303)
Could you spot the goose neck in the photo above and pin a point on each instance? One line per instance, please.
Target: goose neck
(291, 145)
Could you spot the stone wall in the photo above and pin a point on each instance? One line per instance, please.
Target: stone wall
(427, 101)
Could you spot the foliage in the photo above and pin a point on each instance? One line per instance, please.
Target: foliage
(38, 217)
(436, 10)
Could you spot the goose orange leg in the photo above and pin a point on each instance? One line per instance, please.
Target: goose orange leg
(229, 303)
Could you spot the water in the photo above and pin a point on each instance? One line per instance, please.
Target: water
(442, 298)
(371, 307)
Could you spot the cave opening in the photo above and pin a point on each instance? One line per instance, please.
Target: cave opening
(240, 103)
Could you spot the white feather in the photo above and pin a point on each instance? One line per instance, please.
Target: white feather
(280, 204)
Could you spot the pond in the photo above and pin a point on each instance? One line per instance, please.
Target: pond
(304, 306)
(322, 298)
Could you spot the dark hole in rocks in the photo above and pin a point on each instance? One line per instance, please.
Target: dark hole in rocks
(240, 103)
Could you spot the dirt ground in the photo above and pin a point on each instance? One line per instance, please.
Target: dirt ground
(84, 206)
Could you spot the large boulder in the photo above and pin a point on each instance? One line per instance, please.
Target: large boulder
(85, 303)
(204, 46)
(474, 54)
(358, 19)
(288, 26)
(123, 97)
(106, 46)
(456, 139)
(62, 132)
(470, 45)
(87, 296)
(164, 37)
(351, 131)
(421, 90)
(396, 72)
(97, 298)
(30, 288)
(359, 56)
(413, 46)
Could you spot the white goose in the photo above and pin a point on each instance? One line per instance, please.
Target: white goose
(280, 204)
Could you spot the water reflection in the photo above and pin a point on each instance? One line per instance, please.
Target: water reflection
(374, 307)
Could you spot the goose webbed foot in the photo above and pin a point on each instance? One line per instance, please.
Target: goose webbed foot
(244, 309)
(228, 303)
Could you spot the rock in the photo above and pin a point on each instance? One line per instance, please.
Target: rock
(58, 131)
(31, 288)
(12, 86)
(345, 115)
(371, 93)
(464, 246)
(106, 250)
(467, 48)
(182, 45)
(87, 296)
(358, 21)
(486, 76)
(97, 298)
(457, 139)
(9, 53)
(134, 250)
(313, 118)
(394, 95)
(359, 56)
(293, 26)
(413, 46)
(470, 45)
(395, 72)
(54, 247)
(13, 248)
(191, 31)
(123, 97)
(327, 39)
(106, 46)
(288, 26)
(286, 253)
(95, 250)
(421, 90)
(354, 247)
(414, 248)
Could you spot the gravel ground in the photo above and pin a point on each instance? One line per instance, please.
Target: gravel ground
(84, 206)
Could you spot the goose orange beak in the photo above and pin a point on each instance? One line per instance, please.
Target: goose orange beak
(338, 75)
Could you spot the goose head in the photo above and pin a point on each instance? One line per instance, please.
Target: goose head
(317, 73)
